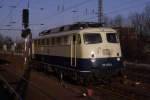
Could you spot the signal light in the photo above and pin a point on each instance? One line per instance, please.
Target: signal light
(25, 17)
(25, 33)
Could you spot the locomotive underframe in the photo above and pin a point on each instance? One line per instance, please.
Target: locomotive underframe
(85, 69)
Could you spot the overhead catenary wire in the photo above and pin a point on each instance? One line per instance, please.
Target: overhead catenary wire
(11, 29)
(123, 3)
(5, 18)
(93, 17)
(50, 17)
(1, 1)
(67, 9)
(119, 8)
(107, 13)
(122, 8)
(9, 13)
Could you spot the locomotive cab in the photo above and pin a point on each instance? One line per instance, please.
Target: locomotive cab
(101, 53)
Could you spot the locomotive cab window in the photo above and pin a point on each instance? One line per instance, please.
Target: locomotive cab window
(92, 38)
(112, 37)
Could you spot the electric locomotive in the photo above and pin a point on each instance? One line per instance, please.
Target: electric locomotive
(80, 50)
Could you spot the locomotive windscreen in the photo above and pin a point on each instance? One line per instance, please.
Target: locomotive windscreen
(92, 38)
(112, 37)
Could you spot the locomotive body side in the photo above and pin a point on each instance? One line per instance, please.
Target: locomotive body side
(90, 51)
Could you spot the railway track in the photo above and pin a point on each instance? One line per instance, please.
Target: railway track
(117, 91)
(39, 88)
(138, 73)
(32, 87)
(136, 76)
(12, 74)
(130, 90)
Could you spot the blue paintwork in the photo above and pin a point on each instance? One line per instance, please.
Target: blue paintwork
(101, 65)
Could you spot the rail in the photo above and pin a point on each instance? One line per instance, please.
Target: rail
(18, 97)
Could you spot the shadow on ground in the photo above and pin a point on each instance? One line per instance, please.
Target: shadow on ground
(2, 61)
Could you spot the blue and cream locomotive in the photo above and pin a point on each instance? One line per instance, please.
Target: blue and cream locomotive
(80, 50)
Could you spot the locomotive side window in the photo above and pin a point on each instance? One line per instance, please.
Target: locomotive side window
(43, 41)
(49, 41)
(53, 41)
(92, 38)
(65, 40)
(38, 42)
(46, 41)
(58, 40)
(112, 37)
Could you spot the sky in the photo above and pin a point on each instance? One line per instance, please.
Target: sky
(46, 14)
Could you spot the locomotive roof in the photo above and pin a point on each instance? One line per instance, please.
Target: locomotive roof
(85, 26)
(75, 26)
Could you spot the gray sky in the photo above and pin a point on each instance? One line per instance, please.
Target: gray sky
(52, 13)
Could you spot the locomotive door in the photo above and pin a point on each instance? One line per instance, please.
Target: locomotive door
(73, 51)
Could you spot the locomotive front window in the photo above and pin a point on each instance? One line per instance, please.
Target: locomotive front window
(112, 37)
(92, 38)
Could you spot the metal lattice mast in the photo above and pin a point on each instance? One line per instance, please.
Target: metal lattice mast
(100, 12)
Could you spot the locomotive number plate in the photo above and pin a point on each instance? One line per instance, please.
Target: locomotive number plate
(107, 64)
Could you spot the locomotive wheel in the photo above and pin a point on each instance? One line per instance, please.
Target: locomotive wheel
(80, 81)
(60, 75)
(84, 80)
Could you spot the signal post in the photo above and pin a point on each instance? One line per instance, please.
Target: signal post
(26, 34)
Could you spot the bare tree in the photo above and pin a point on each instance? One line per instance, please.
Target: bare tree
(136, 20)
(146, 20)
(141, 21)
(8, 41)
(118, 21)
(1, 41)
(106, 20)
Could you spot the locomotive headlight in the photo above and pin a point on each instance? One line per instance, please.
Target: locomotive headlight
(118, 59)
(93, 57)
